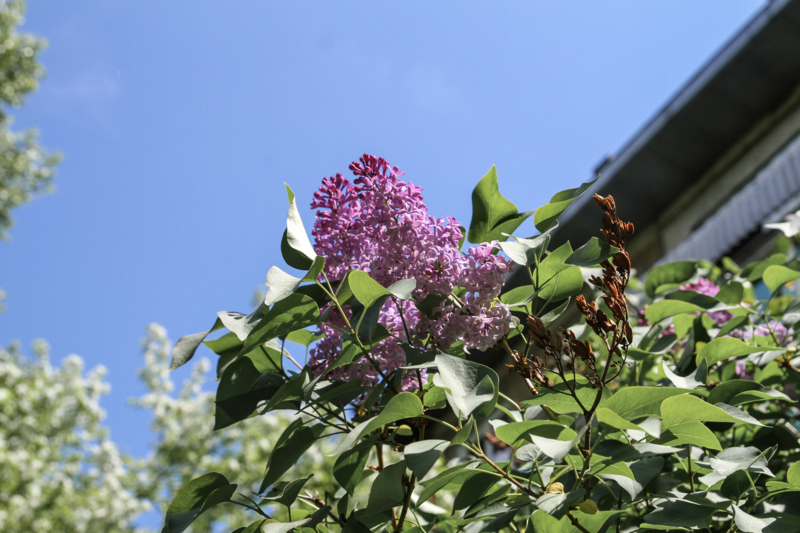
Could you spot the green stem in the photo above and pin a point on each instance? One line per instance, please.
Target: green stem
(353, 332)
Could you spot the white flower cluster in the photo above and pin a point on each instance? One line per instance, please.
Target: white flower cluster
(61, 472)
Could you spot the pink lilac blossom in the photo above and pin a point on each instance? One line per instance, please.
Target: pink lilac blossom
(380, 224)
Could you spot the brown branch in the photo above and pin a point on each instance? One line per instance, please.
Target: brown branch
(320, 504)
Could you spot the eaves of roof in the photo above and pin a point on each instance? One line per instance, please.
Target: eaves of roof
(749, 78)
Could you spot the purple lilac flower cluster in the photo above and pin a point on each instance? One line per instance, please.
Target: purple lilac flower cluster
(709, 288)
(380, 224)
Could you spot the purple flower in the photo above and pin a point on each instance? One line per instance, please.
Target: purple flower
(380, 224)
(709, 288)
(773, 328)
(741, 371)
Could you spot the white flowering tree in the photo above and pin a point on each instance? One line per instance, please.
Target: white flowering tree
(26, 168)
(60, 471)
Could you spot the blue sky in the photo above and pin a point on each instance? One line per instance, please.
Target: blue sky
(179, 122)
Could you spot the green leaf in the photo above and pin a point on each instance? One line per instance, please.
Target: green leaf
(548, 214)
(689, 433)
(254, 527)
(559, 281)
(559, 255)
(403, 288)
(641, 473)
(551, 316)
(737, 322)
(349, 467)
(464, 433)
(404, 405)
(526, 251)
(669, 274)
(793, 475)
(228, 344)
(191, 499)
(777, 276)
(241, 324)
(474, 487)
(292, 390)
(690, 382)
(700, 300)
(558, 504)
(638, 402)
(294, 312)
(561, 401)
(613, 420)
(736, 459)
(679, 513)
(241, 388)
(731, 293)
(543, 522)
(725, 392)
(754, 271)
(723, 348)
(668, 308)
(365, 289)
(607, 468)
(435, 484)
(514, 432)
(553, 448)
(735, 485)
(492, 214)
(282, 527)
(295, 246)
(421, 456)
(184, 349)
(687, 408)
(792, 313)
(280, 285)
(435, 398)
(517, 295)
(365, 320)
(592, 253)
(473, 387)
(387, 490)
(303, 337)
(287, 495)
(593, 523)
(749, 523)
(289, 449)
(316, 269)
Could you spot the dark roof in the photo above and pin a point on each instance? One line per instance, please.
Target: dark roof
(750, 77)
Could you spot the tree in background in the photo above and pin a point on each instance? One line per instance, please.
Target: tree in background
(26, 168)
(60, 470)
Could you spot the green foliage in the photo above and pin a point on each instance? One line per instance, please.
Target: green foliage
(677, 417)
(492, 214)
(547, 215)
(26, 168)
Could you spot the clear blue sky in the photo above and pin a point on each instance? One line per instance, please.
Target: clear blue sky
(180, 120)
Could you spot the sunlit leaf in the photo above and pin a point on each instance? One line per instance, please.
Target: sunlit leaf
(492, 214)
